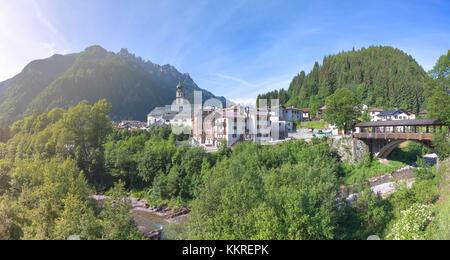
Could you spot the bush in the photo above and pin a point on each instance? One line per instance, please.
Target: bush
(412, 223)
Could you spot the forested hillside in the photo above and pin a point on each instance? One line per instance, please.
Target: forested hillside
(379, 76)
(133, 86)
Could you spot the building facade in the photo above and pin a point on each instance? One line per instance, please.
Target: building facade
(180, 113)
(373, 112)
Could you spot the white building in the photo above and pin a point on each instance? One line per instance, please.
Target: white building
(373, 112)
(233, 124)
(411, 115)
(285, 118)
(389, 115)
(306, 114)
(396, 114)
(180, 113)
(258, 125)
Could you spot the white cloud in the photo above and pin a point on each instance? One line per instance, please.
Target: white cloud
(243, 82)
(26, 34)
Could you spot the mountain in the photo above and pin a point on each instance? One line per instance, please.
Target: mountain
(379, 76)
(133, 86)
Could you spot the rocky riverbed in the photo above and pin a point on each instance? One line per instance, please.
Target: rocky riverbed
(382, 185)
(151, 220)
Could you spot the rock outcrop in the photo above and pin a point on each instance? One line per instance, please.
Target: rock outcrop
(350, 150)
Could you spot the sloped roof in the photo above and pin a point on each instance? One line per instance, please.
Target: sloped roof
(415, 122)
(390, 112)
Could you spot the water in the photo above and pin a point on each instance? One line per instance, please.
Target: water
(147, 221)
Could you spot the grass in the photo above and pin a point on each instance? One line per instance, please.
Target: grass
(314, 124)
(354, 173)
(406, 153)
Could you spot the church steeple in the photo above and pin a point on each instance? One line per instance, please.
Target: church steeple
(180, 94)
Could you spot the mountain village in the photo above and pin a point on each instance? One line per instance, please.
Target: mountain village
(209, 126)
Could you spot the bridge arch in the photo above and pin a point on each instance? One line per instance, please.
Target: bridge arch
(390, 146)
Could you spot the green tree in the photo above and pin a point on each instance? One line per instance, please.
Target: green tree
(441, 143)
(340, 109)
(257, 193)
(437, 89)
(117, 222)
(77, 219)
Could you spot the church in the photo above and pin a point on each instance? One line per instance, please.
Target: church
(179, 113)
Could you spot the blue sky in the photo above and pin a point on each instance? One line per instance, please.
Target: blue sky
(232, 48)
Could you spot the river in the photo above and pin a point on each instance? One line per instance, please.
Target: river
(147, 221)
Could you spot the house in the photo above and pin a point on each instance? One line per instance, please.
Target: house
(411, 115)
(396, 114)
(373, 112)
(236, 124)
(336, 131)
(288, 115)
(321, 110)
(306, 114)
(423, 113)
(293, 114)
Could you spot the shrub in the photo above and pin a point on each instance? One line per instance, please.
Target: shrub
(412, 223)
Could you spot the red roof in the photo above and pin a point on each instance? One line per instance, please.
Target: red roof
(306, 110)
(374, 109)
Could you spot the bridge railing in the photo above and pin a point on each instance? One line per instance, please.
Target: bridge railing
(403, 136)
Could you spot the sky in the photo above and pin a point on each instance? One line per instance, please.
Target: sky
(236, 49)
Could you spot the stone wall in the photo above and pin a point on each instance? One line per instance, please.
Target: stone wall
(350, 150)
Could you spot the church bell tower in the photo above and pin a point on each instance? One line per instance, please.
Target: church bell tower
(180, 94)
